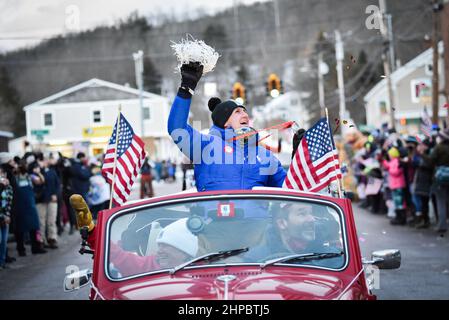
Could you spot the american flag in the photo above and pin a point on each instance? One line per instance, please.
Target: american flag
(426, 123)
(130, 157)
(315, 163)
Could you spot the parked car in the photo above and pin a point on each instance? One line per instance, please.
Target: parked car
(268, 243)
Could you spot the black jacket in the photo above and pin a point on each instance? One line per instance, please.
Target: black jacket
(52, 184)
(422, 180)
(79, 178)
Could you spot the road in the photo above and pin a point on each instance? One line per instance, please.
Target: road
(424, 273)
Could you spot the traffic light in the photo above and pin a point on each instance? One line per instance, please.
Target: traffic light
(274, 86)
(238, 92)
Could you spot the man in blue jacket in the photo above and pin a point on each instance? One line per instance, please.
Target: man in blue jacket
(80, 175)
(221, 163)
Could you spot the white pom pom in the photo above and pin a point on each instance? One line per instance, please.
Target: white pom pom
(195, 51)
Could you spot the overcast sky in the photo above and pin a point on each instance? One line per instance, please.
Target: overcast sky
(26, 22)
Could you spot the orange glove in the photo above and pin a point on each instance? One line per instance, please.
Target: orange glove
(82, 211)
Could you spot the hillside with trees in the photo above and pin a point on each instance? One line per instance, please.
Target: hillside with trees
(250, 45)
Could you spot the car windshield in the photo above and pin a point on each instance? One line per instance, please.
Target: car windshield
(259, 230)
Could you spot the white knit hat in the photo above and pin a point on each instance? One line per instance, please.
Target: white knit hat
(179, 236)
(5, 157)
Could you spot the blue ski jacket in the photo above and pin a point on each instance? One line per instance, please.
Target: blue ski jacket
(219, 162)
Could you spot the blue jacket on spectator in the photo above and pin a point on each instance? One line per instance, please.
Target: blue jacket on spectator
(79, 176)
(52, 184)
(221, 164)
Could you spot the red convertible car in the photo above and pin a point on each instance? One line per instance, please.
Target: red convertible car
(267, 243)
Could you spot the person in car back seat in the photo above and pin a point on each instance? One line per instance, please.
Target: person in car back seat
(176, 244)
(221, 163)
(294, 231)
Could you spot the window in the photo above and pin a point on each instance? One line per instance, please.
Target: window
(146, 113)
(421, 90)
(96, 116)
(383, 107)
(48, 120)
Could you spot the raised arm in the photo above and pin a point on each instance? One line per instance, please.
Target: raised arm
(186, 138)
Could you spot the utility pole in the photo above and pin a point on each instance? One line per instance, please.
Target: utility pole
(387, 36)
(138, 66)
(391, 42)
(277, 21)
(435, 72)
(445, 38)
(339, 55)
(321, 84)
(236, 25)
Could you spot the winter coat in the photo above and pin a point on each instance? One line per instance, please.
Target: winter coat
(146, 169)
(423, 176)
(79, 177)
(220, 163)
(396, 178)
(24, 206)
(439, 155)
(52, 184)
(6, 196)
(127, 263)
(272, 245)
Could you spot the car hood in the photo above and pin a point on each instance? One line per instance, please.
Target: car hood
(256, 284)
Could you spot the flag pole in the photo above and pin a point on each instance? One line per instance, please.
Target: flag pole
(115, 155)
(339, 184)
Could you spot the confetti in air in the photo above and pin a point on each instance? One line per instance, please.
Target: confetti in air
(192, 50)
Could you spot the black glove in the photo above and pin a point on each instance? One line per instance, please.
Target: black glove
(297, 139)
(190, 75)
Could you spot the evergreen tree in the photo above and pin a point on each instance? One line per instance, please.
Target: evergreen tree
(151, 77)
(215, 36)
(13, 117)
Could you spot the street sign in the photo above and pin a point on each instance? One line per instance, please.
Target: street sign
(40, 132)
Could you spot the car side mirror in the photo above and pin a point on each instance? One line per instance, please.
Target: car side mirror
(385, 259)
(77, 280)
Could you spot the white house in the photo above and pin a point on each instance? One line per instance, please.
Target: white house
(81, 118)
(286, 107)
(412, 85)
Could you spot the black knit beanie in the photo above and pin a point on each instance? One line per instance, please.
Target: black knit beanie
(221, 111)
